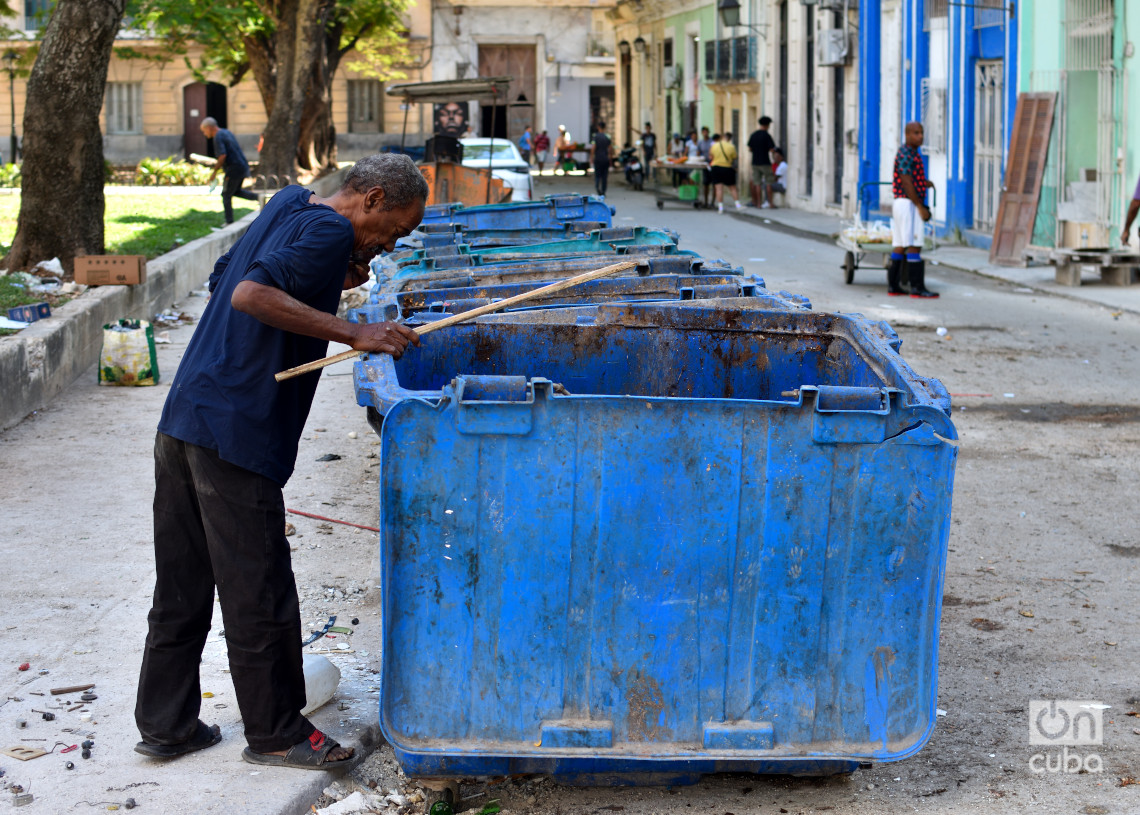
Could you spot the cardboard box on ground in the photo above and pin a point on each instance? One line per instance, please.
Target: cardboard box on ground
(110, 270)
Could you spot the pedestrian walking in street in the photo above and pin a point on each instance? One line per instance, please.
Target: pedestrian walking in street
(226, 445)
(722, 171)
(908, 217)
(760, 144)
(525, 144)
(601, 153)
(231, 161)
(648, 144)
(541, 148)
(704, 144)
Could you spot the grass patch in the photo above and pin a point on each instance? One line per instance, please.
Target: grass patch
(142, 223)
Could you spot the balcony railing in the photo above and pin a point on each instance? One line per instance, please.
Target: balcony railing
(730, 60)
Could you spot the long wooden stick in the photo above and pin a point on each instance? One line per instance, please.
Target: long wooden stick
(454, 319)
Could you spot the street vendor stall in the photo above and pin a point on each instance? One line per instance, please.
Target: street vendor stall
(691, 180)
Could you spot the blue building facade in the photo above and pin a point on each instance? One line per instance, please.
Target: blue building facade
(952, 66)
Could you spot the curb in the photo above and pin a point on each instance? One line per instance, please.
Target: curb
(52, 353)
(830, 239)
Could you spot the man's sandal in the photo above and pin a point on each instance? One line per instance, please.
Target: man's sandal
(310, 754)
(205, 736)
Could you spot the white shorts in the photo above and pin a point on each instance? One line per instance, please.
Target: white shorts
(907, 226)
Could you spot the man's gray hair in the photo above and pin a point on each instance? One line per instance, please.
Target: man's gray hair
(209, 121)
(395, 173)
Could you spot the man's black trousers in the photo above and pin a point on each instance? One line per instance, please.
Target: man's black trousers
(601, 177)
(217, 524)
(231, 186)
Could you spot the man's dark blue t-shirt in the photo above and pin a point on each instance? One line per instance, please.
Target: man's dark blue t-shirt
(224, 396)
(225, 143)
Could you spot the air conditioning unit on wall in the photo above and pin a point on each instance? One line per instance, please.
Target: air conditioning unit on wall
(669, 76)
(831, 47)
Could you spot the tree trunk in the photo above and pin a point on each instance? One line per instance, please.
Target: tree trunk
(61, 185)
(298, 47)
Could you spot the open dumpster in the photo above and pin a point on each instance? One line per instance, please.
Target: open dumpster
(550, 212)
(639, 543)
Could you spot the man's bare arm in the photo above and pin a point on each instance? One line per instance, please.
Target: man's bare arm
(276, 308)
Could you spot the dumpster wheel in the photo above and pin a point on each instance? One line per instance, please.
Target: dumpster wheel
(849, 268)
(446, 793)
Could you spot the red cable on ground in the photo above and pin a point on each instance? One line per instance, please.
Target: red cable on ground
(333, 520)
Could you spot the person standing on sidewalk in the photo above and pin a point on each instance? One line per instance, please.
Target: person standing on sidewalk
(761, 144)
(601, 153)
(910, 213)
(227, 444)
(648, 145)
(231, 161)
(541, 146)
(525, 143)
(722, 173)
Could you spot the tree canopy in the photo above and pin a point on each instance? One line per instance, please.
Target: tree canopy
(292, 49)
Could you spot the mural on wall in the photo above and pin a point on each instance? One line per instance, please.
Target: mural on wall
(451, 119)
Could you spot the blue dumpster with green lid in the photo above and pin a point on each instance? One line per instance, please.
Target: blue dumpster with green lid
(384, 306)
(551, 211)
(640, 543)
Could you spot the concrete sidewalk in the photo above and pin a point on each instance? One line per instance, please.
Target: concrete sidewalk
(825, 228)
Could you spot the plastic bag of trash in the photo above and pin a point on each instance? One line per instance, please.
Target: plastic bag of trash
(128, 356)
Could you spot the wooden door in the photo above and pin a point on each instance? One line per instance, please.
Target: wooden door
(1028, 149)
(193, 112)
(200, 100)
(517, 110)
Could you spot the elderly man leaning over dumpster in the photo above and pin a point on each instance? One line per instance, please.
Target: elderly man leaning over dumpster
(227, 443)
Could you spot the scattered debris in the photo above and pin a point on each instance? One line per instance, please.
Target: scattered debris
(22, 753)
(982, 624)
(329, 457)
(71, 689)
(1026, 612)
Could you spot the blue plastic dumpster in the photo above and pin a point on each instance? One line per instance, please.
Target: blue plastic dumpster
(549, 212)
(450, 234)
(640, 543)
(389, 278)
(656, 288)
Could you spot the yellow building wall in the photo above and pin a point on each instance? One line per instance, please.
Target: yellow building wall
(163, 84)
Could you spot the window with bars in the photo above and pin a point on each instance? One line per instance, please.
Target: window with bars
(933, 117)
(933, 10)
(990, 13)
(1088, 34)
(36, 13)
(364, 112)
(123, 107)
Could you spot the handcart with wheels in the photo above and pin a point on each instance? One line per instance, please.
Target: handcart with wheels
(861, 239)
(688, 190)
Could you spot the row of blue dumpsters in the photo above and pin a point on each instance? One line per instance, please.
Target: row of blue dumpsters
(652, 527)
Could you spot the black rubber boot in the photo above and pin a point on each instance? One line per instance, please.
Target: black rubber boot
(894, 274)
(918, 280)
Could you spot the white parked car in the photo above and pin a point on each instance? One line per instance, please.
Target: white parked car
(507, 164)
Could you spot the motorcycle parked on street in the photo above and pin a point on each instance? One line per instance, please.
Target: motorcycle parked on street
(634, 172)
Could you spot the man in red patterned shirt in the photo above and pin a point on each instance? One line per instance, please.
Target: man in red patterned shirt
(909, 184)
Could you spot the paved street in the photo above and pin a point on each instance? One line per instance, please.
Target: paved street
(1039, 592)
